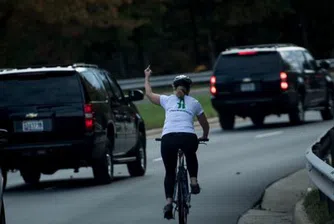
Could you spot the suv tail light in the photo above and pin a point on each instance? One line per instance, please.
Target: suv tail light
(89, 117)
(284, 85)
(284, 81)
(213, 89)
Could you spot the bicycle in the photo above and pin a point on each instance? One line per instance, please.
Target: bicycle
(183, 198)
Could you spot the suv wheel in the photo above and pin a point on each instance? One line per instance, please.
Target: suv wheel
(297, 115)
(226, 120)
(3, 215)
(258, 120)
(30, 176)
(138, 167)
(328, 112)
(103, 168)
(4, 175)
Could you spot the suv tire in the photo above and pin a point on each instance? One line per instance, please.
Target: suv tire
(103, 168)
(297, 115)
(258, 120)
(328, 112)
(227, 120)
(4, 175)
(3, 214)
(30, 176)
(138, 167)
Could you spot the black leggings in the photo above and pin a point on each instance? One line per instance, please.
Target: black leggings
(170, 144)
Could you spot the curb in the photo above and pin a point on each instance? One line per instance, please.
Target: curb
(300, 216)
(271, 208)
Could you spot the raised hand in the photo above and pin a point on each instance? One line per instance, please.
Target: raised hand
(148, 72)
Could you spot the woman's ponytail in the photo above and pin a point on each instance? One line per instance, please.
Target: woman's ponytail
(180, 92)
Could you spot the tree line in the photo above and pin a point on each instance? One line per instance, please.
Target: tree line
(173, 36)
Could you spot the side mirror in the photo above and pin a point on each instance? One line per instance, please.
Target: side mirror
(135, 95)
(3, 136)
(324, 65)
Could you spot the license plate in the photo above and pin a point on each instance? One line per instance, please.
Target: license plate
(32, 126)
(245, 87)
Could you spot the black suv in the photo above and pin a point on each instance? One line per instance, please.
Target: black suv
(67, 117)
(258, 80)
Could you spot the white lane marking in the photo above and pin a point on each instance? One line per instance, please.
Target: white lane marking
(157, 159)
(269, 134)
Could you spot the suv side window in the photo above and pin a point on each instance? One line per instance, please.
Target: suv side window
(94, 86)
(106, 84)
(310, 63)
(116, 89)
(290, 60)
(109, 88)
(300, 59)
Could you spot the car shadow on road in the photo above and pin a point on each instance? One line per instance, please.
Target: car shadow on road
(61, 184)
(268, 126)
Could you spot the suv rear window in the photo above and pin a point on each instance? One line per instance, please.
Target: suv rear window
(237, 65)
(39, 88)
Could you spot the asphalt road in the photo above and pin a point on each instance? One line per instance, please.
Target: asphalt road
(235, 168)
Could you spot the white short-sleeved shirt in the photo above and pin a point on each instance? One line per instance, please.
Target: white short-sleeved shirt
(179, 114)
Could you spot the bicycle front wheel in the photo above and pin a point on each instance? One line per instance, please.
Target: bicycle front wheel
(182, 205)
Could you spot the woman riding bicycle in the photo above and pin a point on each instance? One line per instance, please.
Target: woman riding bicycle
(178, 133)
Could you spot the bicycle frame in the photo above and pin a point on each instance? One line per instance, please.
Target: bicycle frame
(182, 178)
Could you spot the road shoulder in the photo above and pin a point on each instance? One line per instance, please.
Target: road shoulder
(300, 215)
(279, 201)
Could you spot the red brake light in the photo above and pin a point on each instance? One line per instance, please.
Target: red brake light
(213, 80)
(88, 108)
(283, 76)
(213, 90)
(247, 52)
(284, 85)
(89, 124)
(89, 117)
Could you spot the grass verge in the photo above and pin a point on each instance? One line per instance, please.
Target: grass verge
(154, 115)
(317, 210)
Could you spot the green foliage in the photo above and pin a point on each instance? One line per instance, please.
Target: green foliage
(124, 36)
(316, 209)
(248, 12)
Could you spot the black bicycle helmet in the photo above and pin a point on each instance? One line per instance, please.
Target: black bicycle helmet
(182, 80)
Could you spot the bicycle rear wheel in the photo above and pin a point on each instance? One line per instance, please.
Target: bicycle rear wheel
(182, 202)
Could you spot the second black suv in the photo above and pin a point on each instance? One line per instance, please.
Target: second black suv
(67, 117)
(258, 80)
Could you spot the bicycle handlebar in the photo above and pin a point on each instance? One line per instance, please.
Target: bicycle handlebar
(200, 141)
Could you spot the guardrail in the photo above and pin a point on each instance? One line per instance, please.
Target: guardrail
(165, 80)
(319, 165)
